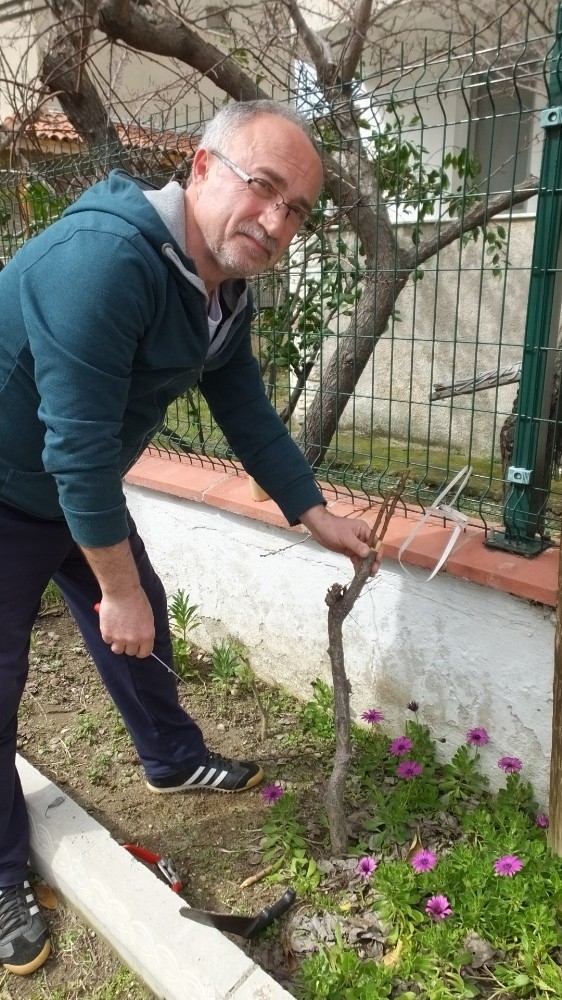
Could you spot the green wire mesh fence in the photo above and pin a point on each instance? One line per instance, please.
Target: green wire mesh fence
(392, 334)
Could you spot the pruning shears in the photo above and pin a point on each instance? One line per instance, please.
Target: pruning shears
(231, 923)
(163, 864)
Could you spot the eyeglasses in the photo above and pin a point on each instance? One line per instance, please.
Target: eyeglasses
(264, 190)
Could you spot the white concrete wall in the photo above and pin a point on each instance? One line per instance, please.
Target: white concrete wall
(470, 656)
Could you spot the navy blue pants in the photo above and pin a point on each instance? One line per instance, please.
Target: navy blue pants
(32, 551)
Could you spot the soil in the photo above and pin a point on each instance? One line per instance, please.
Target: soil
(70, 730)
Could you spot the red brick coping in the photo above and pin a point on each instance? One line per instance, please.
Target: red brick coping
(533, 579)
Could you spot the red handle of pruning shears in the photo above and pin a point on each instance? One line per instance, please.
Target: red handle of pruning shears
(164, 865)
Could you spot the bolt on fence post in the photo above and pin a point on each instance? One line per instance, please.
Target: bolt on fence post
(529, 475)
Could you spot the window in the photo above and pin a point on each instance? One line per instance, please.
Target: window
(502, 138)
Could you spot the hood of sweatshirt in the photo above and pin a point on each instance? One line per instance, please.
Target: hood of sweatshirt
(103, 324)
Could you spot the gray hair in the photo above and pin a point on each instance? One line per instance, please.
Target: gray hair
(222, 128)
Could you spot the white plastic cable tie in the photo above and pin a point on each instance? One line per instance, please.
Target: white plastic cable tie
(440, 509)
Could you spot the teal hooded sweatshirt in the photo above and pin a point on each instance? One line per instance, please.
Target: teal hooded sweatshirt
(103, 323)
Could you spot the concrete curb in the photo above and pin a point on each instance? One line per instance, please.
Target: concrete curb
(124, 902)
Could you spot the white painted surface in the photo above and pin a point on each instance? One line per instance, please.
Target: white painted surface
(130, 907)
(469, 655)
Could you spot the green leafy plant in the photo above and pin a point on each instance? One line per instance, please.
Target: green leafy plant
(86, 728)
(317, 715)
(444, 866)
(51, 599)
(183, 618)
(461, 779)
(98, 768)
(337, 972)
(284, 844)
(229, 670)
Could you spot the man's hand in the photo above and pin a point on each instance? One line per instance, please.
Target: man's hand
(126, 619)
(127, 623)
(339, 534)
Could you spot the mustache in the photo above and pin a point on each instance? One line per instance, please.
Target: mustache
(259, 234)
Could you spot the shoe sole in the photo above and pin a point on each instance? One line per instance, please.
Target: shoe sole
(207, 788)
(25, 970)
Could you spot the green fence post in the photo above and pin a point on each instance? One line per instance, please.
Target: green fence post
(529, 472)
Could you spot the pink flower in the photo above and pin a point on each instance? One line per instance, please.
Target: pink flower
(542, 820)
(409, 769)
(424, 861)
(438, 907)
(271, 793)
(510, 764)
(508, 865)
(477, 736)
(401, 745)
(365, 866)
(372, 716)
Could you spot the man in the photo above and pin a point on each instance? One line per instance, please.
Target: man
(129, 299)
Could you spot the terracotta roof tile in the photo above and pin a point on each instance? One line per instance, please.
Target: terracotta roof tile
(55, 126)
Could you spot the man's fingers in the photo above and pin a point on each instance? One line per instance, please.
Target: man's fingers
(132, 649)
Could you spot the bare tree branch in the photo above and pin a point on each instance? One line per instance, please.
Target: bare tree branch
(474, 217)
(317, 47)
(168, 37)
(355, 41)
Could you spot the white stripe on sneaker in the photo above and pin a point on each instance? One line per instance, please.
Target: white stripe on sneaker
(195, 776)
(207, 777)
(220, 778)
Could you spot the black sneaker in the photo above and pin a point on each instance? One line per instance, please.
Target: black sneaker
(219, 774)
(24, 937)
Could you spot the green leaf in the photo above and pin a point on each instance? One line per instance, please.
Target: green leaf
(521, 980)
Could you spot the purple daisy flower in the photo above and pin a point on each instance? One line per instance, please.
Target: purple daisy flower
(542, 820)
(372, 716)
(477, 736)
(412, 706)
(402, 744)
(423, 861)
(271, 793)
(438, 907)
(508, 865)
(365, 866)
(409, 769)
(510, 764)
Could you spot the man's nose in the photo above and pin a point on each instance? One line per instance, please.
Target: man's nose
(273, 218)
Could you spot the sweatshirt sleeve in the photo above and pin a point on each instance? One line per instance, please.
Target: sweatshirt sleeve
(86, 302)
(257, 435)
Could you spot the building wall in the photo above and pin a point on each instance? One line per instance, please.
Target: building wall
(453, 324)
(15, 41)
(457, 321)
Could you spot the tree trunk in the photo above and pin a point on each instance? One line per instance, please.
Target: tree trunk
(335, 788)
(64, 73)
(347, 364)
(340, 601)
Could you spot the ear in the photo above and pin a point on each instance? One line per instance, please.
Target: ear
(200, 166)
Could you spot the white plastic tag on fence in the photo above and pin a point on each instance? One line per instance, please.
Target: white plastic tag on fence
(440, 509)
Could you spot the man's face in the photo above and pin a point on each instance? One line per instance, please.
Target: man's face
(243, 233)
